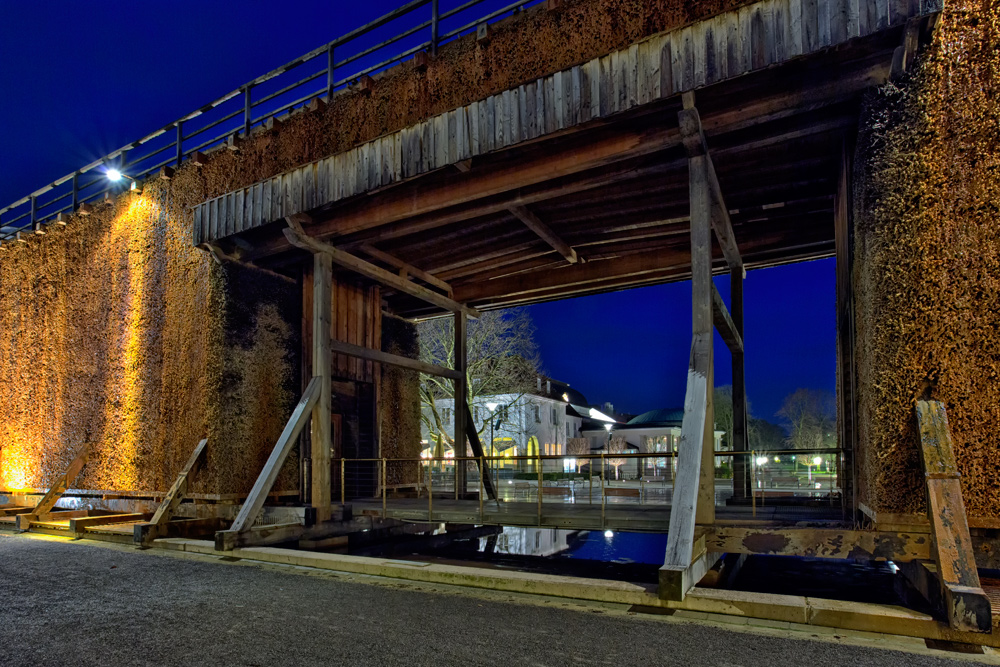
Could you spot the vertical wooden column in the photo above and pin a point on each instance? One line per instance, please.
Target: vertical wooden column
(461, 397)
(702, 323)
(845, 337)
(321, 359)
(741, 464)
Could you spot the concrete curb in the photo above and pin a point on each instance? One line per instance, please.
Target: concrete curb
(864, 617)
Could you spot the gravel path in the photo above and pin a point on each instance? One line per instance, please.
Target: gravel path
(64, 603)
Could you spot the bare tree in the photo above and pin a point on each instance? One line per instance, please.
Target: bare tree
(616, 445)
(502, 360)
(722, 400)
(578, 447)
(810, 418)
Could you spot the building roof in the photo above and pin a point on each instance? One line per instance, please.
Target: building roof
(654, 418)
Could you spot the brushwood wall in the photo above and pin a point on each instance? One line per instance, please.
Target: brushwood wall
(927, 264)
(117, 332)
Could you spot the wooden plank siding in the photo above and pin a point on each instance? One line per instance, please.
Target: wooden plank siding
(723, 47)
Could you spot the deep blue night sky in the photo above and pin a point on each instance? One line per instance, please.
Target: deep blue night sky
(78, 80)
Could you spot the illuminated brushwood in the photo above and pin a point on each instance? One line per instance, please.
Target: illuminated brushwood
(927, 265)
(119, 332)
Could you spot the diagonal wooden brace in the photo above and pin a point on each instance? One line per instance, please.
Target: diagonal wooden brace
(57, 489)
(966, 605)
(145, 533)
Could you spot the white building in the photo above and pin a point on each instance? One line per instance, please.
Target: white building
(531, 424)
(650, 433)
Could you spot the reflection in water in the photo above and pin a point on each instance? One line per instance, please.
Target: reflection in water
(605, 546)
(527, 541)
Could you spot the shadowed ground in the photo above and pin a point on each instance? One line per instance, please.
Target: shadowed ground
(77, 603)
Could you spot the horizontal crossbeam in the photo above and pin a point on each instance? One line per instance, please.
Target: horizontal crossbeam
(297, 236)
(352, 350)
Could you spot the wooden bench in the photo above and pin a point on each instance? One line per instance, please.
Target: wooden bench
(563, 491)
(410, 486)
(626, 491)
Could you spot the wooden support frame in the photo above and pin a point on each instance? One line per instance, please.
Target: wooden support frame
(369, 354)
(683, 564)
(402, 266)
(250, 510)
(846, 374)
(57, 489)
(321, 440)
(173, 498)
(811, 542)
(544, 232)
(966, 605)
(724, 323)
(297, 237)
(676, 571)
(81, 525)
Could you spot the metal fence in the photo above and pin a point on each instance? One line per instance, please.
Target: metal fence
(417, 26)
(813, 475)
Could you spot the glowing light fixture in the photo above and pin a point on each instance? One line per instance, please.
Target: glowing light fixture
(609, 534)
(817, 460)
(761, 460)
(600, 416)
(113, 175)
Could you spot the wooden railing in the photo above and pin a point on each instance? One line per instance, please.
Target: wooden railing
(419, 26)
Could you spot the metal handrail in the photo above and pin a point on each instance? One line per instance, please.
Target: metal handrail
(240, 120)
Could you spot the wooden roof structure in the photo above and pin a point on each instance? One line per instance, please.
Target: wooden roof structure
(577, 183)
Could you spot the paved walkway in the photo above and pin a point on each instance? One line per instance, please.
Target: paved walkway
(82, 603)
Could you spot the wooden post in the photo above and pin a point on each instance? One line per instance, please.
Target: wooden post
(320, 439)
(845, 337)
(703, 323)
(461, 398)
(741, 467)
(686, 559)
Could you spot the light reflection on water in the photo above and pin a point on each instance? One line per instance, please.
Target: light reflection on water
(618, 547)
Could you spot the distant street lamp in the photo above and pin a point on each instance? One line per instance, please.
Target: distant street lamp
(492, 407)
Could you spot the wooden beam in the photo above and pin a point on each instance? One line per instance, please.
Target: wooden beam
(571, 276)
(702, 320)
(297, 237)
(258, 536)
(966, 605)
(604, 148)
(57, 489)
(320, 435)
(674, 583)
(258, 494)
(696, 145)
(724, 323)
(741, 464)
(544, 232)
(819, 542)
(186, 528)
(395, 262)
(80, 525)
(846, 376)
(352, 350)
(176, 493)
